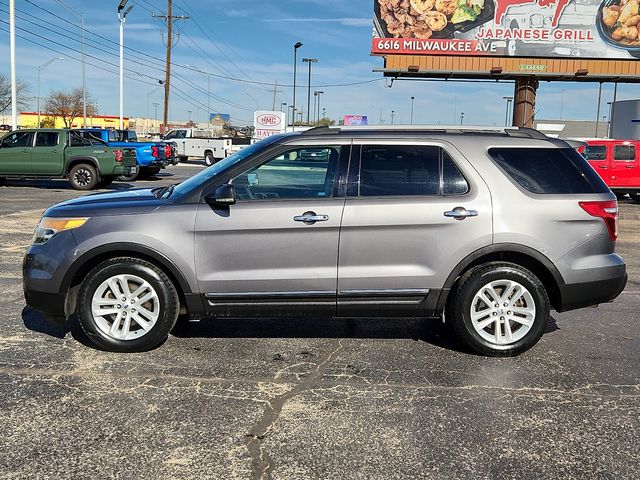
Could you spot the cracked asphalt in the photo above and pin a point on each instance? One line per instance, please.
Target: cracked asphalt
(302, 399)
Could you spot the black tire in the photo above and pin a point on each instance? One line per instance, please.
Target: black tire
(635, 197)
(105, 182)
(168, 303)
(209, 159)
(83, 176)
(129, 178)
(460, 301)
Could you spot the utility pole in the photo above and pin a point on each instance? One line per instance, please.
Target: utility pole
(275, 91)
(169, 17)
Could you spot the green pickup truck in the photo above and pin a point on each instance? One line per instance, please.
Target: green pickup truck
(62, 153)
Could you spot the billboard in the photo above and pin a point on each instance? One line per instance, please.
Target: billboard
(219, 118)
(355, 120)
(572, 29)
(267, 123)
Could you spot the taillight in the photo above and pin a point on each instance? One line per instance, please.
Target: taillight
(167, 150)
(154, 152)
(606, 210)
(118, 155)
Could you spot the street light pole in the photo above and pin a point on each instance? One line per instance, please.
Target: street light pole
(282, 105)
(14, 86)
(295, 65)
(506, 113)
(393, 114)
(155, 104)
(84, 75)
(309, 61)
(461, 117)
(122, 17)
(318, 93)
(412, 99)
(40, 68)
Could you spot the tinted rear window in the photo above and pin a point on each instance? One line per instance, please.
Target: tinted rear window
(624, 152)
(549, 170)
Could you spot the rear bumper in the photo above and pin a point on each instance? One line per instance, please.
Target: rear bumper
(585, 294)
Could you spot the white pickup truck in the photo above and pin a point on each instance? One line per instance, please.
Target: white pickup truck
(192, 142)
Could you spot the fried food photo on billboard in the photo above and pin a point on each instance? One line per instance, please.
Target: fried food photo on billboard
(622, 21)
(420, 18)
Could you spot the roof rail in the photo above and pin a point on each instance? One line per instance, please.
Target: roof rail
(521, 132)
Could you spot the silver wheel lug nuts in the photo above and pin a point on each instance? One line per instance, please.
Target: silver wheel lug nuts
(118, 306)
(506, 304)
(495, 313)
(508, 312)
(501, 318)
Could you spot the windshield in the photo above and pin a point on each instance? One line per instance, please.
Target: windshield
(222, 165)
(176, 134)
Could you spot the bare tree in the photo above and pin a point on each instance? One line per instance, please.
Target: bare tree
(5, 94)
(66, 105)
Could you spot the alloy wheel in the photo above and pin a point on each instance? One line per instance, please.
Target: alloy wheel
(502, 312)
(125, 307)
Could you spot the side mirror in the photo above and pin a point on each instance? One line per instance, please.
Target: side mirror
(223, 196)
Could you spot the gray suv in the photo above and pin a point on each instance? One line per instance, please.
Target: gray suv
(490, 228)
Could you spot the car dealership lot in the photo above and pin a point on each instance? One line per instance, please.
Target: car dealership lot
(297, 399)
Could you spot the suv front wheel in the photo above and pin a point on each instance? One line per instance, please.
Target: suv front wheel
(499, 309)
(127, 305)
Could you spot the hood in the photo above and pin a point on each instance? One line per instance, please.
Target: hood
(127, 202)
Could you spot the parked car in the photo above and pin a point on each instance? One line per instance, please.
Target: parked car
(152, 157)
(51, 153)
(192, 142)
(616, 161)
(490, 227)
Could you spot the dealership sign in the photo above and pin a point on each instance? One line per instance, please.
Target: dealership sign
(518, 28)
(267, 123)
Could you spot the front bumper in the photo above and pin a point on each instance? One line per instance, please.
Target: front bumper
(585, 294)
(43, 270)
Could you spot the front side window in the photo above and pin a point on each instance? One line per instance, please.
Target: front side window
(624, 153)
(114, 136)
(17, 139)
(595, 152)
(295, 174)
(47, 139)
(409, 170)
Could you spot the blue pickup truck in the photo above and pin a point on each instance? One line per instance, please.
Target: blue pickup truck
(151, 156)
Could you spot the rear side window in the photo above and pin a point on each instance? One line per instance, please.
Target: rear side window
(46, 139)
(549, 170)
(409, 170)
(624, 153)
(595, 152)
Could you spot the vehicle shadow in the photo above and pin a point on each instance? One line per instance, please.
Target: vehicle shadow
(431, 331)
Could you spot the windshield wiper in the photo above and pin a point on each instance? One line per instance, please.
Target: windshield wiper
(160, 192)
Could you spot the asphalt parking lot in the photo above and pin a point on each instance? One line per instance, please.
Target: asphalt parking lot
(296, 399)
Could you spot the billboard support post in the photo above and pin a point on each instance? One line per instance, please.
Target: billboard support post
(524, 103)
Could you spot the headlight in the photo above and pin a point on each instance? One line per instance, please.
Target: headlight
(48, 227)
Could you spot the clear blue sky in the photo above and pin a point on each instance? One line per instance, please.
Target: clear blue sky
(252, 40)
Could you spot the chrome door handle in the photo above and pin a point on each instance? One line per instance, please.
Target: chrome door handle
(602, 166)
(310, 218)
(460, 213)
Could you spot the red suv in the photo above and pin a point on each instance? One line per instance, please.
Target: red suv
(617, 163)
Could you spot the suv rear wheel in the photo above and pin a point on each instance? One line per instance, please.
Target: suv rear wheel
(127, 305)
(83, 176)
(499, 309)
